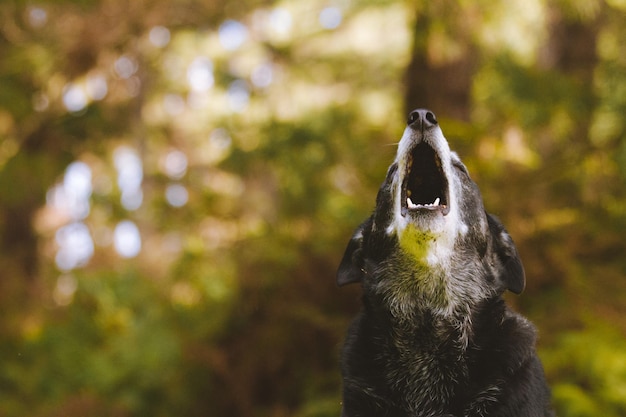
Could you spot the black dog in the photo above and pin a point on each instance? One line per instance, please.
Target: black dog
(435, 337)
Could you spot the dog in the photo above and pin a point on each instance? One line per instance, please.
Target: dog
(434, 337)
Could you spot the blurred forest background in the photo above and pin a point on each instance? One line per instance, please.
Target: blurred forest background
(178, 180)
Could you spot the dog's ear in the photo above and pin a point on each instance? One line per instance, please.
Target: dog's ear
(351, 266)
(511, 269)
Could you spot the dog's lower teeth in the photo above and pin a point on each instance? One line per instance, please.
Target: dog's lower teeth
(411, 205)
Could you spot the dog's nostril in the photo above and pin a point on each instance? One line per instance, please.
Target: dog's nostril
(430, 117)
(422, 118)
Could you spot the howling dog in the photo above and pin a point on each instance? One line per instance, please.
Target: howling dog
(434, 337)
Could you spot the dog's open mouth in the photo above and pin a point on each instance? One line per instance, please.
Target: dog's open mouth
(425, 187)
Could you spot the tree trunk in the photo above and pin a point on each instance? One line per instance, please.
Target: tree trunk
(444, 86)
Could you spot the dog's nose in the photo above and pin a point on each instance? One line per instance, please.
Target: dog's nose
(422, 119)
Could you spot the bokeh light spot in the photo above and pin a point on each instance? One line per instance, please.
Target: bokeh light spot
(37, 17)
(96, 86)
(200, 74)
(159, 36)
(127, 239)
(330, 17)
(232, 35)
(238, 95)
(64, 290)
(74, 98)
(77, 189)
(75, 246)
(176, 195)
(280, 22)
(129, 177)
(263, 75)
(175, 164)
(125, 66)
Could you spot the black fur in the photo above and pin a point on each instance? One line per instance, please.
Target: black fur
(435, 337)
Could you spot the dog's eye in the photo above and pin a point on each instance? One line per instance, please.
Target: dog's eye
(459, 165)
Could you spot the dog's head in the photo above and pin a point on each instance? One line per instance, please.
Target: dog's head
(429, 234)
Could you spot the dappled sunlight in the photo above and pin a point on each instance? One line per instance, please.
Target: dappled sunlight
(516, 148)
(64, 290)
(129, 177)
(159, 36)
(330, 17)
(518, 26)
(127, 239)
(232, 35)
(200, 74)
(37, 16)
(75, 246)
(175, 164)
(74, 97)
(178, 181)
(72, 195)
(176, 195)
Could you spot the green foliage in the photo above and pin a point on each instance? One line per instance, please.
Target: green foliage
(256, 162)
(591, 369)
(115, 345)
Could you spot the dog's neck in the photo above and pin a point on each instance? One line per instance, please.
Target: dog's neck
(426, 302)
(412, 289)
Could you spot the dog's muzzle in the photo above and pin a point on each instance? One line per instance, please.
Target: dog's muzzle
(424, 184)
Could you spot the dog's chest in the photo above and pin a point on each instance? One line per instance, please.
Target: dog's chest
(426, 368)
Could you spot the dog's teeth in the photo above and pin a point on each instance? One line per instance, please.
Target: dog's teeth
(411, 205)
